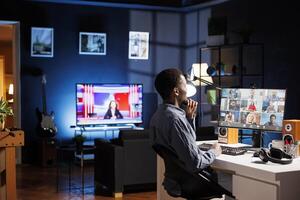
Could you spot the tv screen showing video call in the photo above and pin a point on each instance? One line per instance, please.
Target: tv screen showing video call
(100, 104)
(252, 108)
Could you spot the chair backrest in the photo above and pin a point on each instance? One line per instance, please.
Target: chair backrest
(129, 135)
(193, 185)
(132, 134)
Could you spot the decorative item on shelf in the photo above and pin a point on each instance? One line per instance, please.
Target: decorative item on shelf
(217, 70)
(79, 140)
(212, 96)
(220, 68)
(234, 70)
(217, 28)
(245, 33)
(5, 110)
(211, 70)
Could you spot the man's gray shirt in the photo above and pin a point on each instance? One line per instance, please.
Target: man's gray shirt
(173, 130)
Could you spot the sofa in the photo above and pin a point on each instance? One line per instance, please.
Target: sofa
(125, 163)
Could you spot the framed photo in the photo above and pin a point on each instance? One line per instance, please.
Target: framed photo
(41, 42)
(92, 43)
(138, 45)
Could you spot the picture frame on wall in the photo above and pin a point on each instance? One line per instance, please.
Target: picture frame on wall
(138, 45)
(41, 42)
(92, 43)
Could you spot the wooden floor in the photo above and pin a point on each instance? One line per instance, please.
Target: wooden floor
(34, 182)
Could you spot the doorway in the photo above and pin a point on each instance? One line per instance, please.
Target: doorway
(10, 79)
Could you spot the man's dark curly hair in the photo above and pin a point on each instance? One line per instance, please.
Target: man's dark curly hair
(166, 81)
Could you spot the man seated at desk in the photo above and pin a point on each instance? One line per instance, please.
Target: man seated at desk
(174, 127)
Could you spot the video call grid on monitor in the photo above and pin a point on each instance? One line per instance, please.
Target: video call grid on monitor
(252, 108)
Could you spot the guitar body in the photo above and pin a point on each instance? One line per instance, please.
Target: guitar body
(46, 126)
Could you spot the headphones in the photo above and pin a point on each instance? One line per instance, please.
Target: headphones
(274, 155)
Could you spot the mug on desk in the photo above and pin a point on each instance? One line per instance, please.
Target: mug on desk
(276, 144)
(292, 149)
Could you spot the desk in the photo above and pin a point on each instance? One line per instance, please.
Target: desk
(8, 142)
(252, 179)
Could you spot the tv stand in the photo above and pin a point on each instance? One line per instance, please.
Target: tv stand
(103, 131)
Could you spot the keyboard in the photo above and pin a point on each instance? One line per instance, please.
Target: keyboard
(233, 151)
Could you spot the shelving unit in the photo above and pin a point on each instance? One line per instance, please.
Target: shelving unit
(236, 66)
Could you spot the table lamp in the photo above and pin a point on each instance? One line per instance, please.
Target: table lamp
(198, 76)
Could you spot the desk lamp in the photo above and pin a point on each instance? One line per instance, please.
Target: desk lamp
(198, 76)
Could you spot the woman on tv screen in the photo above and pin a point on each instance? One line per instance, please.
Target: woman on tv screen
(113, 111)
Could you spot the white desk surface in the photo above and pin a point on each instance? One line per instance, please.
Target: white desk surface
(252, 179)
(253, 166)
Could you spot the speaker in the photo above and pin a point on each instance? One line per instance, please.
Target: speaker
(228, 135)
(274, 155)
(292, 126)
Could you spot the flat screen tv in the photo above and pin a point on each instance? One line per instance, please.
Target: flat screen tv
(107, 104)
(252, 108)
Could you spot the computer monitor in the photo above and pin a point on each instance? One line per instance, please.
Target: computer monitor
(252, 108)
(108, 104)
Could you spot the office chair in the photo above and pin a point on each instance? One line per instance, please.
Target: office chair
(191, 185)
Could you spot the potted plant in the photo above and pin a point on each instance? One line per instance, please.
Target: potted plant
(79, 140)
(5, 110)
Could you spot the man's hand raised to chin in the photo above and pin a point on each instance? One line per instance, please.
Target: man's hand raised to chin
(191, 108)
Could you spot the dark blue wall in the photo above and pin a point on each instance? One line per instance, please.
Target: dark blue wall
(67, 67)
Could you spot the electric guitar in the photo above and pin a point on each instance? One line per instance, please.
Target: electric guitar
(46, 126)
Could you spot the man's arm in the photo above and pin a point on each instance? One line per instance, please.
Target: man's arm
(186, 148)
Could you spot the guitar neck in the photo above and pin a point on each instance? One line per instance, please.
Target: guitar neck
(44, 99)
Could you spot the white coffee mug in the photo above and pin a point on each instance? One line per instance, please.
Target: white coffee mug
(276, 144)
